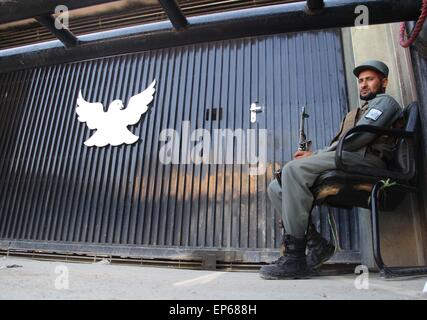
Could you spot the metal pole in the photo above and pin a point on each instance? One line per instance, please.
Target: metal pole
(63, 34)
(174, 13)
(314, 6)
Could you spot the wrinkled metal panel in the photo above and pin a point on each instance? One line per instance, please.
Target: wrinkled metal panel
(53, 188)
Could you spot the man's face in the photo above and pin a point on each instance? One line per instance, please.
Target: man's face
(371, 83)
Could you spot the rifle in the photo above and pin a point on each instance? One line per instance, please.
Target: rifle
(303, 143)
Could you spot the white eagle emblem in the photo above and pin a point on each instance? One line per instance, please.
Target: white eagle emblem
(112, 125)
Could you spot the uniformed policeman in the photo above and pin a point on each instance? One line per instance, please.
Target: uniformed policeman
(293, 197)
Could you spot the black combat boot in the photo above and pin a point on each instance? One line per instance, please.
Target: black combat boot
(319, 250)
(292, 265)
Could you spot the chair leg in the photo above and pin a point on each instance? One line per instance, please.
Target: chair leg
(385, 271)
(375, 226)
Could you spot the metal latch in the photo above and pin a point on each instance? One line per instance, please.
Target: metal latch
(255, 108)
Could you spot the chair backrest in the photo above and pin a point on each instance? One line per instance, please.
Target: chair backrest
(406, 150)
(411, 117)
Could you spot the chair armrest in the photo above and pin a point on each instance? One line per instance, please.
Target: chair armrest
(376, 172)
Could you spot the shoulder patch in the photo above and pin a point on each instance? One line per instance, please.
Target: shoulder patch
(373, 114)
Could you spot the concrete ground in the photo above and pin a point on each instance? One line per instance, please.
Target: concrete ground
(22, 278)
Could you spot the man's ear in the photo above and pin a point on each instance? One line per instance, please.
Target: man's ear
(384, 83)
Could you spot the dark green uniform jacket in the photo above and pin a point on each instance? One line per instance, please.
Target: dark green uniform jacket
(382, 111)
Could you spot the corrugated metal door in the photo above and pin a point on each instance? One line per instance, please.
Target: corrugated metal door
(55, 189)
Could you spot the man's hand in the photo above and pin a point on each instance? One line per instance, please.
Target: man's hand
(302, 154)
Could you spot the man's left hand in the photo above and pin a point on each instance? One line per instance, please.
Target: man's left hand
(302, 154)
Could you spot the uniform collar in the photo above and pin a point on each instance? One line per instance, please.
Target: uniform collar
(365, 106)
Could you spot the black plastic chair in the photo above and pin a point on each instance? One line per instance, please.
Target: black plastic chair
(373, 188)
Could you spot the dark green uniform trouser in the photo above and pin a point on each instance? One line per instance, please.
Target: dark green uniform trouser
(294, 200)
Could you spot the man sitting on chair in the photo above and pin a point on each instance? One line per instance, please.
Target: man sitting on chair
(293, 198)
